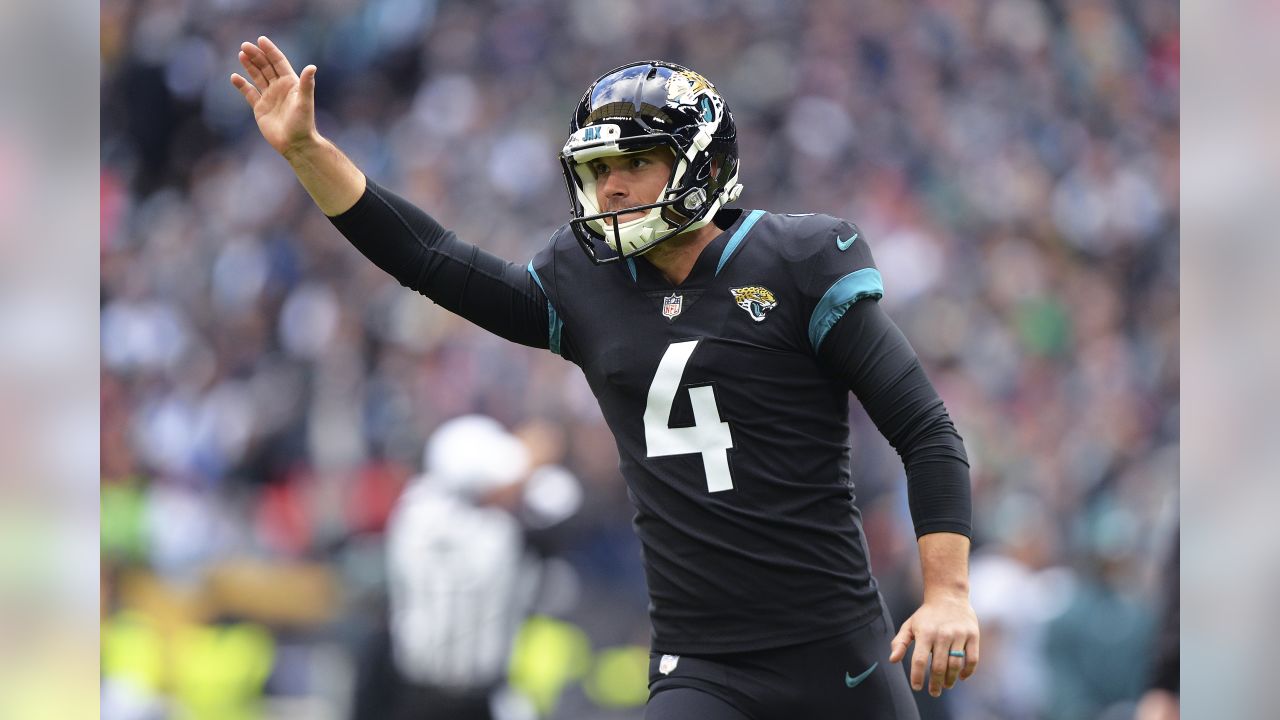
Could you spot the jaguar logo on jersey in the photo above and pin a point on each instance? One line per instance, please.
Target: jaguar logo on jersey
(671, 306)
(755, 299)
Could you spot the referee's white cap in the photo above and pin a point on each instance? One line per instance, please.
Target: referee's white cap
(472, 455)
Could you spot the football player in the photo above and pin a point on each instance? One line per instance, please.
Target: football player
(722, 345)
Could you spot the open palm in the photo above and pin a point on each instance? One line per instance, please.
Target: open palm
(283, 102)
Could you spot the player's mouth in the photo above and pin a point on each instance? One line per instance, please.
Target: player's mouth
(625, 217)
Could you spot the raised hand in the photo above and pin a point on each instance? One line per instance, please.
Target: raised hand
(283, 102)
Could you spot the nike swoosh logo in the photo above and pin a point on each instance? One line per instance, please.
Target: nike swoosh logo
(846, 244)
(854, 681)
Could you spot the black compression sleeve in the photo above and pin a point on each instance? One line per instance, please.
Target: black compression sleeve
(868, 351)
(400, 238)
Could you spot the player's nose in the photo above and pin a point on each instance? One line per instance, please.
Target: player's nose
(613, 186)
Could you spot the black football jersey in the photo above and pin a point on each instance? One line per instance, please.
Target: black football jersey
(732, 438)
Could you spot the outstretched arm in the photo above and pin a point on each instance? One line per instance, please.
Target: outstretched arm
(412, 247)
(396, 235)
(870, 353)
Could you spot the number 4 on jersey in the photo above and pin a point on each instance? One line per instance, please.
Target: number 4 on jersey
(709, 435)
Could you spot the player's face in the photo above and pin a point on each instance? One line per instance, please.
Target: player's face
(633, 179)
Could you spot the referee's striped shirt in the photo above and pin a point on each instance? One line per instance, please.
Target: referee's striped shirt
(461, 582)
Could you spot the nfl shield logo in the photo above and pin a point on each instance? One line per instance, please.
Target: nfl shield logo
(668, 663)
(671, 306)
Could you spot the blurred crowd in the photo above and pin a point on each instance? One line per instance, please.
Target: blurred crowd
(267, 392)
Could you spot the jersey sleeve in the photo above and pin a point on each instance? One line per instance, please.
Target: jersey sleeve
(412, 247)
(836, 270)
(542, 271)
(873, 358)
(860, 344)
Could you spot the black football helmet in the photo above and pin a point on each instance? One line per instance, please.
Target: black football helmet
(637, 107)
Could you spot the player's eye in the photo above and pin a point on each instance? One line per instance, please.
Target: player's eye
(598, 168)
(639, 162)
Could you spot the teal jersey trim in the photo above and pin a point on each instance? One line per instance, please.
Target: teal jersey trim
(738, 235)
(631, 265)
(554, 324)
(845, 292)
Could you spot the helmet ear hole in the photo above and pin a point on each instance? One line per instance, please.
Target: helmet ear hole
(726, 168)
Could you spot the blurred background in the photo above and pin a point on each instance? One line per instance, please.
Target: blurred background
(266, 392)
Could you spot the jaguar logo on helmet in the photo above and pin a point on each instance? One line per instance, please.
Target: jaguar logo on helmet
(638, 107)
(686, 84)
(689, 89)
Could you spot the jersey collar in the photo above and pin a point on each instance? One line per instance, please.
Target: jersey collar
(712, 258)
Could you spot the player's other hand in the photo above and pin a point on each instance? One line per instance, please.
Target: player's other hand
(283, 102)
(940, 626)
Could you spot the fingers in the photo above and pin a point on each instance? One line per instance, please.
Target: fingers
(920, 663)
(900, 643)
(255, 72)
(938, 631)
(278, 61)
(956, 659)
(249, 92)
(970, 657)
(258, 58)
(307, 83)
(264, 63)
(939, 665)
(919, 657)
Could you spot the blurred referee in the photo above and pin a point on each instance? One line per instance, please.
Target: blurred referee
(461, 575)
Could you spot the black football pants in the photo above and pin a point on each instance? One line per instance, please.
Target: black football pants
(839, 678)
